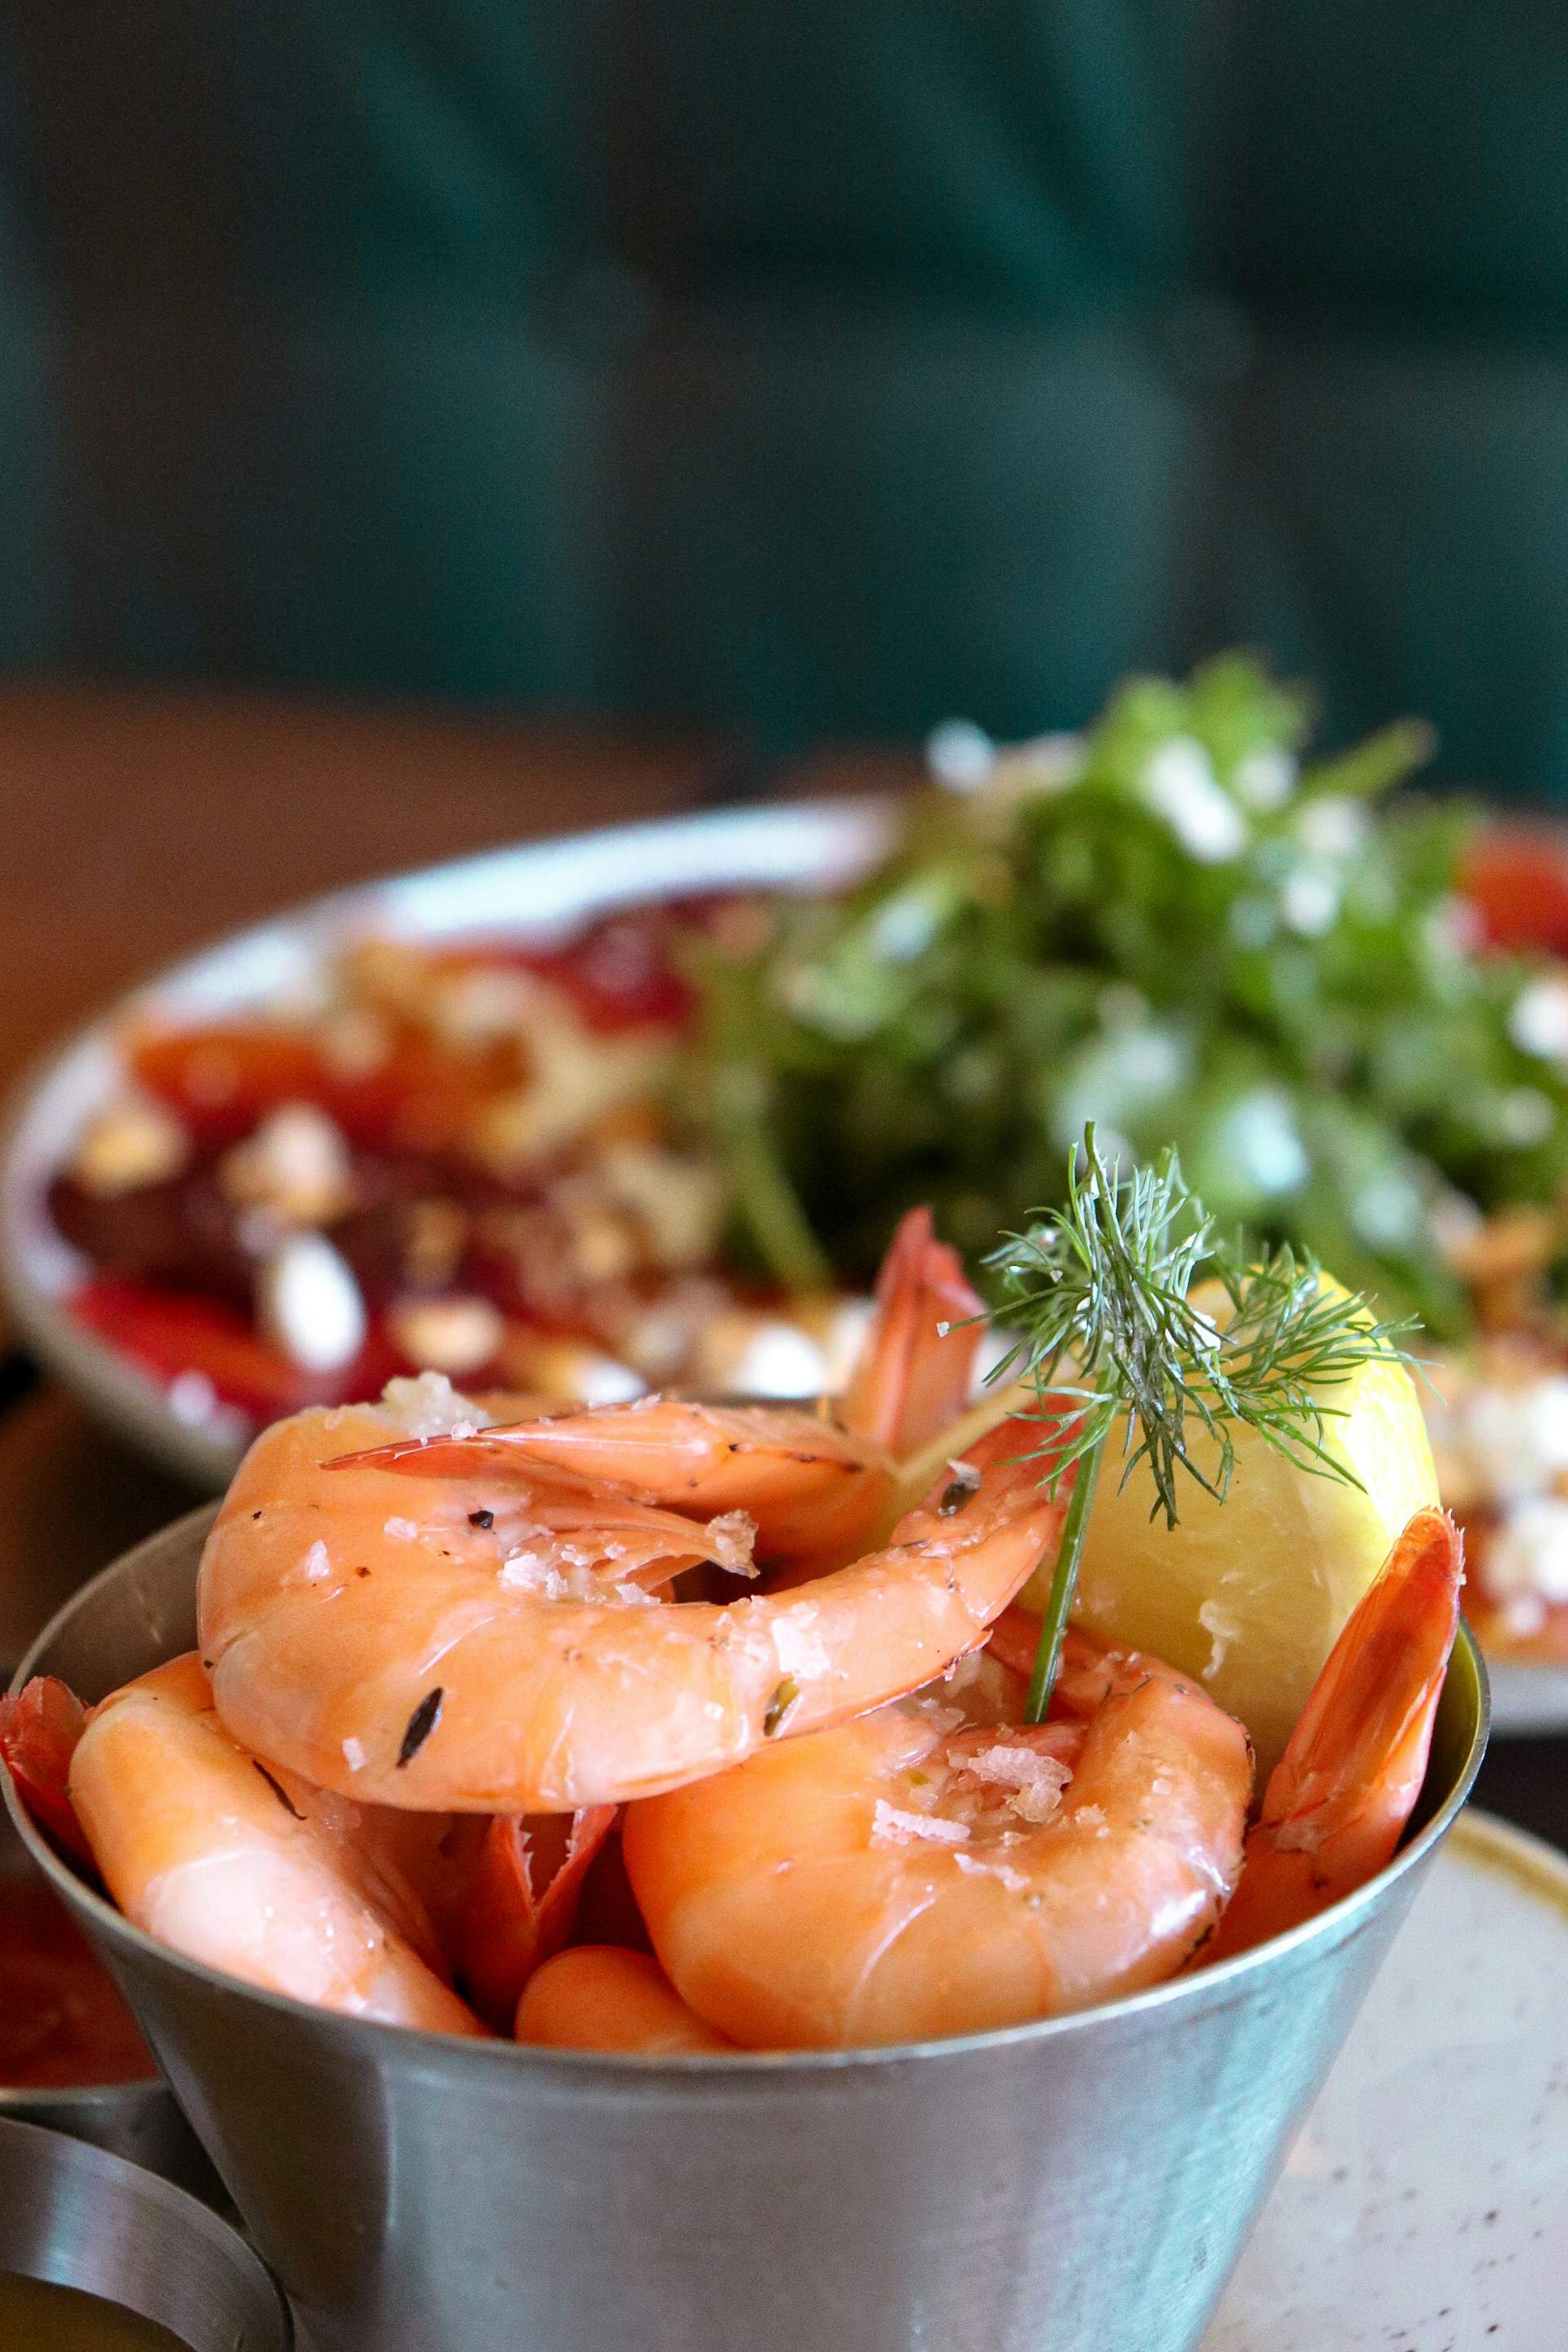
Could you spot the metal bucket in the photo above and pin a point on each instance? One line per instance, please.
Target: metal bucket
(73, 2216)
(1080, 2184)
(136, 2119)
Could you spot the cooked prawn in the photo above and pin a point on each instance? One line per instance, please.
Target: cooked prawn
(445, 1665)
(1338, 1801)
(903, 1875)
(247, 1867)
(598, 1997)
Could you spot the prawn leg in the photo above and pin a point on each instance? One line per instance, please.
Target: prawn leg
(519, 1906)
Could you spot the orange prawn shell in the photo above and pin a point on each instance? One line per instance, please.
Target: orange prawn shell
(401, 1669)
(785, 1919)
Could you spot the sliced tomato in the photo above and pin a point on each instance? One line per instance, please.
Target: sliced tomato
(172, 1332)
(620, 973)
(223, 1080)
(1517, 878)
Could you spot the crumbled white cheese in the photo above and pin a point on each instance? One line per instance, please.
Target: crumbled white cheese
(763, 1357)
(1332, 827)
(454, 1335)
(471, 1009)
(1179, 783)
(570, 1371)
(1504, 1441)
(308, 1303)
(1309, 901)
(960, 754)
(1265, 780)
(296, 1167)
(134, 1142)
(1528, 1552)
(678, 1201)
(192, 1399)
(1538, 1020)
(577, 1077)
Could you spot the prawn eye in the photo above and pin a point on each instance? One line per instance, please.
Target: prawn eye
(964, 1483)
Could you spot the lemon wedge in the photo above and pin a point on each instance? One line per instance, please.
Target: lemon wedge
(1249, 1595)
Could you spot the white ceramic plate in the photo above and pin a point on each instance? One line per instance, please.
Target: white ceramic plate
(1525, 1700)
(1422, 2207)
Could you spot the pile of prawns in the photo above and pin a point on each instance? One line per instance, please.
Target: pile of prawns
(752, 1679)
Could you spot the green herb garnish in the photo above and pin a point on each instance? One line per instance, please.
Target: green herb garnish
(1183, 928)
(1102, 1294)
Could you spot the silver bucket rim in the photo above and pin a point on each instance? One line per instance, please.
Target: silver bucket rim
(745, 2069)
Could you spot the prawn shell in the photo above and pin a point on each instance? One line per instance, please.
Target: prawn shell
(330, 1617)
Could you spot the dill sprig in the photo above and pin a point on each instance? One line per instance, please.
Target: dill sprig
(1110, 1335)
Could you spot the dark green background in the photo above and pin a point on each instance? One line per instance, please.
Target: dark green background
(825, 367)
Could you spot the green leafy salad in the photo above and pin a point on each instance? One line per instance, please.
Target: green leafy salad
(1182, 929)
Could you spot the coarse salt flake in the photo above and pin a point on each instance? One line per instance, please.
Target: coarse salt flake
(1034, 1781)
(892, 1826)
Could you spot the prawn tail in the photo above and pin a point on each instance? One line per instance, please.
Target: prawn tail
(1339, 1799)
(520, 1904)
(914, 1372)
(38, 1732)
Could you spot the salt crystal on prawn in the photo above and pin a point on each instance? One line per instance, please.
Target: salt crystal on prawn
(890, 1826)
(402, 1531)
(799, 1647)
(733, 1536)
(1036, 1781)
(533, 1572)
(354, 1755)
(317, 1562)
(429, 1406)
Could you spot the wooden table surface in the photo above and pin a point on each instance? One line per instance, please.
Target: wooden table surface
(135, 825)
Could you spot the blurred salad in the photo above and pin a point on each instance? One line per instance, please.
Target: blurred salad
(1181, 927)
